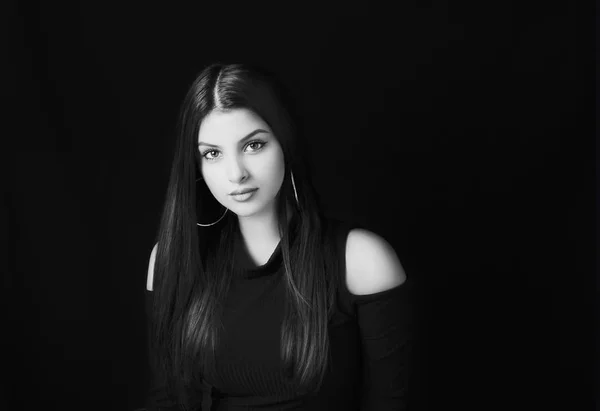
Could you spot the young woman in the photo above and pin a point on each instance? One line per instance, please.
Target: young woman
(254, 298)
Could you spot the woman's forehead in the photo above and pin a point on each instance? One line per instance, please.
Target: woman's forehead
(231, 125)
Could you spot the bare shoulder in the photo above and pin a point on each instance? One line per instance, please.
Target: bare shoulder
(372, 265)
(150, 280)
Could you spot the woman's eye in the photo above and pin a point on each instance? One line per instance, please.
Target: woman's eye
(256, 145)
(210, 155)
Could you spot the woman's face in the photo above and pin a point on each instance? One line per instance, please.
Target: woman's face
(238, 151)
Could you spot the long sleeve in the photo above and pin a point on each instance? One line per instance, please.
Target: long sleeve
(385, 322)
(157, 397)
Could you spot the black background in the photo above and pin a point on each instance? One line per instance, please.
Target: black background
(453, 130)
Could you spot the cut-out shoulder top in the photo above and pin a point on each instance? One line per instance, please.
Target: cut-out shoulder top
(369, 341)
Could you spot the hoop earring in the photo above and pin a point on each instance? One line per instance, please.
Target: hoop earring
(208, 225)
(294, 187)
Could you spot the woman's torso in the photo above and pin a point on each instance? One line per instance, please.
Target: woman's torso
(250, 371)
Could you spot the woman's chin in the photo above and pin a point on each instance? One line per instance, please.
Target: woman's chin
(248, 210)
(243, 210)
(244, 213)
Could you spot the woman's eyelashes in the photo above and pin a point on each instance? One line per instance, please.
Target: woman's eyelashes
(255, 143)
(206, 156)
(254, 146)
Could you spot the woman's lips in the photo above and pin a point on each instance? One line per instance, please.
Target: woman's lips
(242, 191)
(245, 195)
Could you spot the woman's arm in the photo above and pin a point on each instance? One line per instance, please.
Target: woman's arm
(382, 302)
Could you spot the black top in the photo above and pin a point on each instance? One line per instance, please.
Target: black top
(369, 337)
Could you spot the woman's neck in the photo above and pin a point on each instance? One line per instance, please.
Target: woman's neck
(260, 234)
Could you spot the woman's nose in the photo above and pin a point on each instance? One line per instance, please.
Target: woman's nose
(236, 171)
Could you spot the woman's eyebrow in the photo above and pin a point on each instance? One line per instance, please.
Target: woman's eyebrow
(252, 134)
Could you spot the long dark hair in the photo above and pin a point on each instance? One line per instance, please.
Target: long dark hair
(193, 265)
